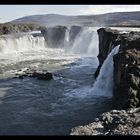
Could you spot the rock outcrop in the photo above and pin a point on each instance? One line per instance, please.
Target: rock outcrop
(8, 28)
(126, 90)
(108, 39)
(115, 122)
(54, 36)
(74, 31)
(40, 75)
(127, 72)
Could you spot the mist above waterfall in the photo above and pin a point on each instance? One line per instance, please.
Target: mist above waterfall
(86, 42)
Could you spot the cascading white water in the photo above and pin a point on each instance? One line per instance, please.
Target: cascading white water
(86, 42)
(104, 83)
(67, 34)
(67, 41)
(20, 44)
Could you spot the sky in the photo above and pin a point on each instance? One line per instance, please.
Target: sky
(11, 12)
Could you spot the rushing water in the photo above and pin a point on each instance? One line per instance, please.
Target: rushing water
(104, 83)
(33, 107)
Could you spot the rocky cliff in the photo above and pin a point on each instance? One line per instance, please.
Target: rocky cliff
(126, 91)
(127, 72)
(108, 39)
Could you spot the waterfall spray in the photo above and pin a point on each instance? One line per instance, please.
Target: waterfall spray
(104, 83)
(86, 42)
(20, 44)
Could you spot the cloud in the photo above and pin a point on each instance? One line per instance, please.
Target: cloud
(101, 9)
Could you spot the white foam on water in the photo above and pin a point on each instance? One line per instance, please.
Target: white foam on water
(103, 85)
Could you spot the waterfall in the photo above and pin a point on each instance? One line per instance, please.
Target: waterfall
(11, 44)
(67, 35)
(86, 42)
(67, 39)
(104, 83)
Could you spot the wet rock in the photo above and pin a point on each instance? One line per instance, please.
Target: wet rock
(40, 75)
(44, 76)
(126, 90)
(108, 39)
(127, 73)
(115, 122)
(73, 33)
(21, 77)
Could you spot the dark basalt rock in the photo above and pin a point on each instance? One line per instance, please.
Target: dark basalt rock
(44, 76)
(126, 90)
(54, 36)
(74, 31)
(40, 75)
(127, 73)
(108, 39)
(115, 122)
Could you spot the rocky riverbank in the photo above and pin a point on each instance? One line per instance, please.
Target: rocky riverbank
(8, 28)
(114, 122)
(126, 89)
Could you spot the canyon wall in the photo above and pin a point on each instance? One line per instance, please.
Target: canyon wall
(127, 72)
(126, 90)
(108, 39)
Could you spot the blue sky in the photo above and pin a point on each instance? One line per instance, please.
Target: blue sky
(10, 12)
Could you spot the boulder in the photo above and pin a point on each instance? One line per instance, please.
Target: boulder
(40, 75)
(44, 76)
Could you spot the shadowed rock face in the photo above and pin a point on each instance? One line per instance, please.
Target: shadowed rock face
(74, 31)
(108, 39)
(54, 36)
(126, 92)
(127, 73)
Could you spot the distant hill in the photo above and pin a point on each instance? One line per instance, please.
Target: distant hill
(109, 19)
